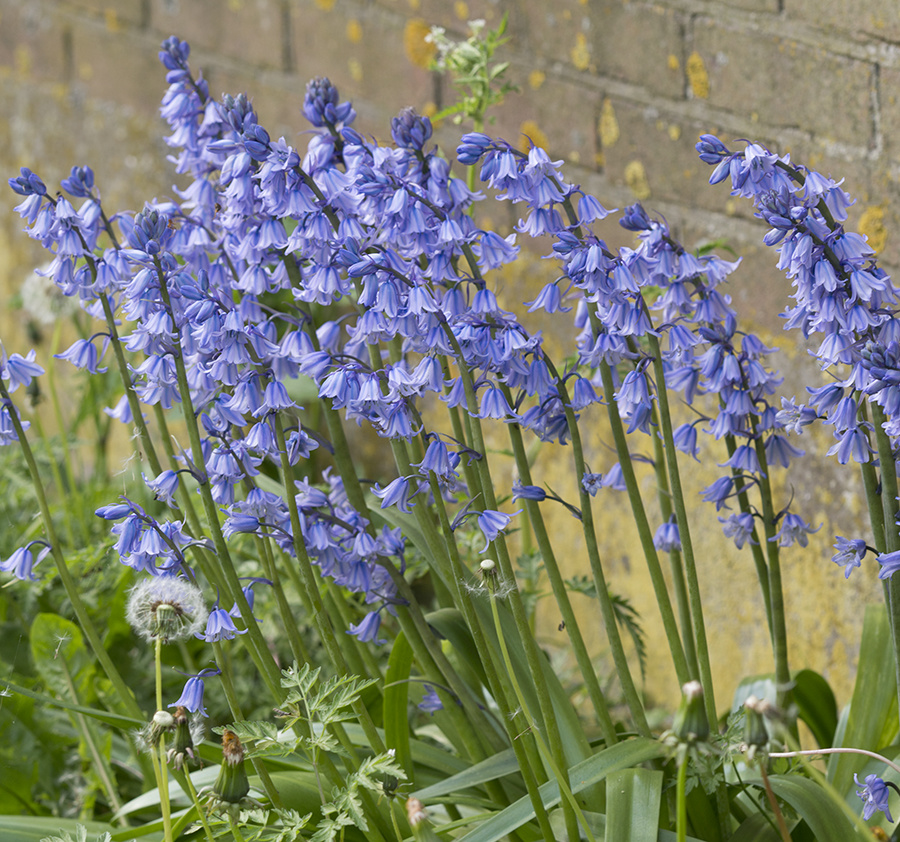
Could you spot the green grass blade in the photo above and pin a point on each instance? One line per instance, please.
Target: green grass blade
(396, 702)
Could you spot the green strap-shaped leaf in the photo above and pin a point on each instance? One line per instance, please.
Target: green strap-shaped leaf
(621, 756)
(816, 705)
(632, 805)
(826, 819)
(870, 721)
(396, 702)
(498, 766)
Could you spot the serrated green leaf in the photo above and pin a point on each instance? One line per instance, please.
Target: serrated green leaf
(35, 828)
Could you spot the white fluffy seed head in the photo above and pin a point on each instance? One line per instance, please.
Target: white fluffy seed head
(166, 607)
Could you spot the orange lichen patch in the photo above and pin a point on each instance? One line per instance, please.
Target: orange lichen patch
(536, 78)
(636, 179)
(418, 50)
(531, 131)
(698, 78)
(871, 223)
(608, 125)
(354, 31)
(580, 53)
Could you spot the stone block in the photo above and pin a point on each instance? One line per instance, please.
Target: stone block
(784, 83)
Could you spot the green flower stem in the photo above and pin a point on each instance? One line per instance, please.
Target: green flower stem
(235, 829)
(645, 533)
(163, 794)
(562, 777)
(620, 659)
(163, 779)
(123, 692)
(461, 581)
(756, 549)
(888, 476)
(259, 650)
(676, 562)
(295, 641)
(184, 780)
(776, 591)
(56, 476)
(137, 416)
(234, 705)
(561, 594)
(310, 591)
(681, 799)
(684, 529)
(544, 716)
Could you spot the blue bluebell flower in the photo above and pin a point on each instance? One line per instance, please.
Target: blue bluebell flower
(667, 538)
(739, 527)
(21, 563)
(850, 553)
(431, 702)
(220, 626)
(17, 370)
(492, 523)
(192, 695)
(874, 794)
(366, 630)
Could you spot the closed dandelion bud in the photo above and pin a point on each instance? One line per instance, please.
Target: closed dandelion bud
(755, 733)
(232, 783)
(182, 750)
(419, 822)
(691, 724)
(161, 723)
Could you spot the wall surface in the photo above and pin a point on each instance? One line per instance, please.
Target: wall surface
(619, 89)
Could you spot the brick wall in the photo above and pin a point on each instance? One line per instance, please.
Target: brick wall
(620, 88)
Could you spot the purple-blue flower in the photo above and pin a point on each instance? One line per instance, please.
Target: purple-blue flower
(192, 694)
(890, 564)
(850, 553)
(667, 538)
(430, 701)
(874, 794)
(21, 562)
(220, 626)
(492, 523)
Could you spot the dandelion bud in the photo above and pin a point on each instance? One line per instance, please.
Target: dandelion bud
(161, 722)
(232, 783)
(691, 724)
(182, 749)
(755, 733)
(415, 812)
(487, 566)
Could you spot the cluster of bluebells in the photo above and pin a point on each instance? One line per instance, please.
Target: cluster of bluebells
(841, 297)
(218, 288)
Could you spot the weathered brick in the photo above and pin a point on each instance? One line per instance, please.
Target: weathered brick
(592, 37)
(250, 31)
(877, 18)
(785, 83)
(120, 67)
(114, 13)
(32, 41)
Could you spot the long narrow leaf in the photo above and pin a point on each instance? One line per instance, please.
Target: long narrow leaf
(633, 798)
(624, 755)
(396, 702)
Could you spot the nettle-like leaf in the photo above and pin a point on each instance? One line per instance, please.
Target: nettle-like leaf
(80, 836)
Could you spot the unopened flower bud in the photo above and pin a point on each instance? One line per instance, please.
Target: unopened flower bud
(232, 783)
(161, 722)
(755, 733)
(691, 723)
(182, 749)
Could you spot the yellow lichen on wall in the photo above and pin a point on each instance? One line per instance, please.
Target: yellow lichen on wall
(531, 132)
(636, 179)
(697, 76)
(419, 51)
(608, 125)
(871, 223)
(580, 53)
